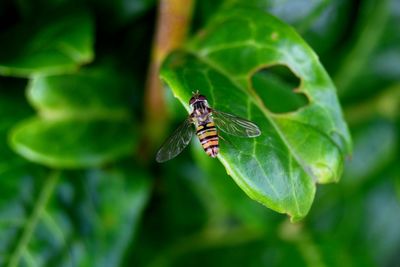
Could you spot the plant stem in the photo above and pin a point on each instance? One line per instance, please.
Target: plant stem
(172, 26)
(34, 218)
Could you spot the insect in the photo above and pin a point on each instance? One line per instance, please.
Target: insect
(207, 122)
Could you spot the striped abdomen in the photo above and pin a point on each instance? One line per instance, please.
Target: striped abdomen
(208, 137)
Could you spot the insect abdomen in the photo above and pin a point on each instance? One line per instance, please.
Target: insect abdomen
(208, 137)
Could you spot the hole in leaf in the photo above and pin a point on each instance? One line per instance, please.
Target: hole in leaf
(275, 86)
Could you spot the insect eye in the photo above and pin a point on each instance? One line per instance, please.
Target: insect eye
(192, 100)
(201, 97)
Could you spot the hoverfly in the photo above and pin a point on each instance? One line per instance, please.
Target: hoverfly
(206, 121)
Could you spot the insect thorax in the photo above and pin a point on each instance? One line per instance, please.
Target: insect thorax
(201, 113)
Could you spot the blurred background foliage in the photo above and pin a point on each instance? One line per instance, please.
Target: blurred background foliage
(87, 191)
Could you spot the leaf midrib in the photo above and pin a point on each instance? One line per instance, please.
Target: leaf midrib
(33, 220)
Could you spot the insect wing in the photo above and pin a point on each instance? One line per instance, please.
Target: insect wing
(234, 125)
(176, 142)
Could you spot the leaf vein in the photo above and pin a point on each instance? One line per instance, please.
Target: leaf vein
(292, 184)
(257, 101)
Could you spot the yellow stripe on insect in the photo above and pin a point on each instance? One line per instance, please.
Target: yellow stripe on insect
(210, 143)
(202, 116)
(207, 134)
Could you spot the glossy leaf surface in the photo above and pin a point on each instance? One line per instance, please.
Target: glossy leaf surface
(296, 149)
(56, 46)
(72, 143)
(89, 93)
(83, 120)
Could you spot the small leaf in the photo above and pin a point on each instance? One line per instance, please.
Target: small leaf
(72, 143)
(89, 93)
(84, 120)
(296, 149)
(59, 44)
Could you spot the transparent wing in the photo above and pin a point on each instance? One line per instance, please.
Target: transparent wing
(176, 142)
(234, 125)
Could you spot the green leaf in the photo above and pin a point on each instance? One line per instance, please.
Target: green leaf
(70, 219)
(13, 108)
(73, 143)
(82, 122)
(59, 44)
(296, 149)
(89, 93)
(224, 200)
